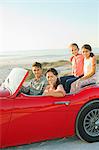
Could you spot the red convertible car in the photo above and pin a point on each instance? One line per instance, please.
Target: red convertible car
(26, 119)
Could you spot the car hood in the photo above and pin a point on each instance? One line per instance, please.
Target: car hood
(13, 82)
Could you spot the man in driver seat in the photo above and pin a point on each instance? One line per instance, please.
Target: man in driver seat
(37, 85)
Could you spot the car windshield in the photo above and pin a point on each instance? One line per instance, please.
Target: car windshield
(14, 79)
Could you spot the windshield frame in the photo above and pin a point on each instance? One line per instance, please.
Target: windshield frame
(14, 80)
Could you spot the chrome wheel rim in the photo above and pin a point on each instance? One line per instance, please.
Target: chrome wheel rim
(91, 123)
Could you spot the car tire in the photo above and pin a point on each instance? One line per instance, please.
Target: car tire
(87, 122)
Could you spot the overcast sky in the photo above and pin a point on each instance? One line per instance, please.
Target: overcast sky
(48, 24)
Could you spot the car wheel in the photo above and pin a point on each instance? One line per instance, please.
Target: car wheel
(87, 122)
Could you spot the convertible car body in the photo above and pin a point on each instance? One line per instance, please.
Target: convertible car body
(25, 118)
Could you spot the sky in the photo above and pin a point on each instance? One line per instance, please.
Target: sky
(48, 24)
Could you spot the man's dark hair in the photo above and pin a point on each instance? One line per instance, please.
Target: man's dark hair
(37, 64)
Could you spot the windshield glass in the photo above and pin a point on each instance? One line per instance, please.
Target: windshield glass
(14, 79)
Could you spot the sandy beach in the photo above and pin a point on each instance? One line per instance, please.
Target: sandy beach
(6, 65)
(62, 69)
(63, 66)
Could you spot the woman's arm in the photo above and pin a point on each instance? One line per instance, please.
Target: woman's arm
(55, 94)
(59, 92)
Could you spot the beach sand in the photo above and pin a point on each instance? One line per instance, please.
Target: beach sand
(63, 67)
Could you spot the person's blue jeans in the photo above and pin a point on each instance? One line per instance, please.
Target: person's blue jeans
(66, 81)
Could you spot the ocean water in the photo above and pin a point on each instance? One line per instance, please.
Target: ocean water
(40, 55)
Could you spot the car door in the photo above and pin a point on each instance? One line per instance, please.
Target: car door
(6, 107)
(37, 118)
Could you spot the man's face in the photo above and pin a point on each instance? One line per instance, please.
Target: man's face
(37, 72)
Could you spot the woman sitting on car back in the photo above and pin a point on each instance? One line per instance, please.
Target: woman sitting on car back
(89, 69)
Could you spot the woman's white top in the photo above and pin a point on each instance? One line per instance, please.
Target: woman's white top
(88, 66)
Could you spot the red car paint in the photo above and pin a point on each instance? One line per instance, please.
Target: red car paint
(25, 119)
(4, 92)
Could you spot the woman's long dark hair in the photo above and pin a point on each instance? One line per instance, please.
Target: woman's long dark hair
(87, 46)
(54, 71)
